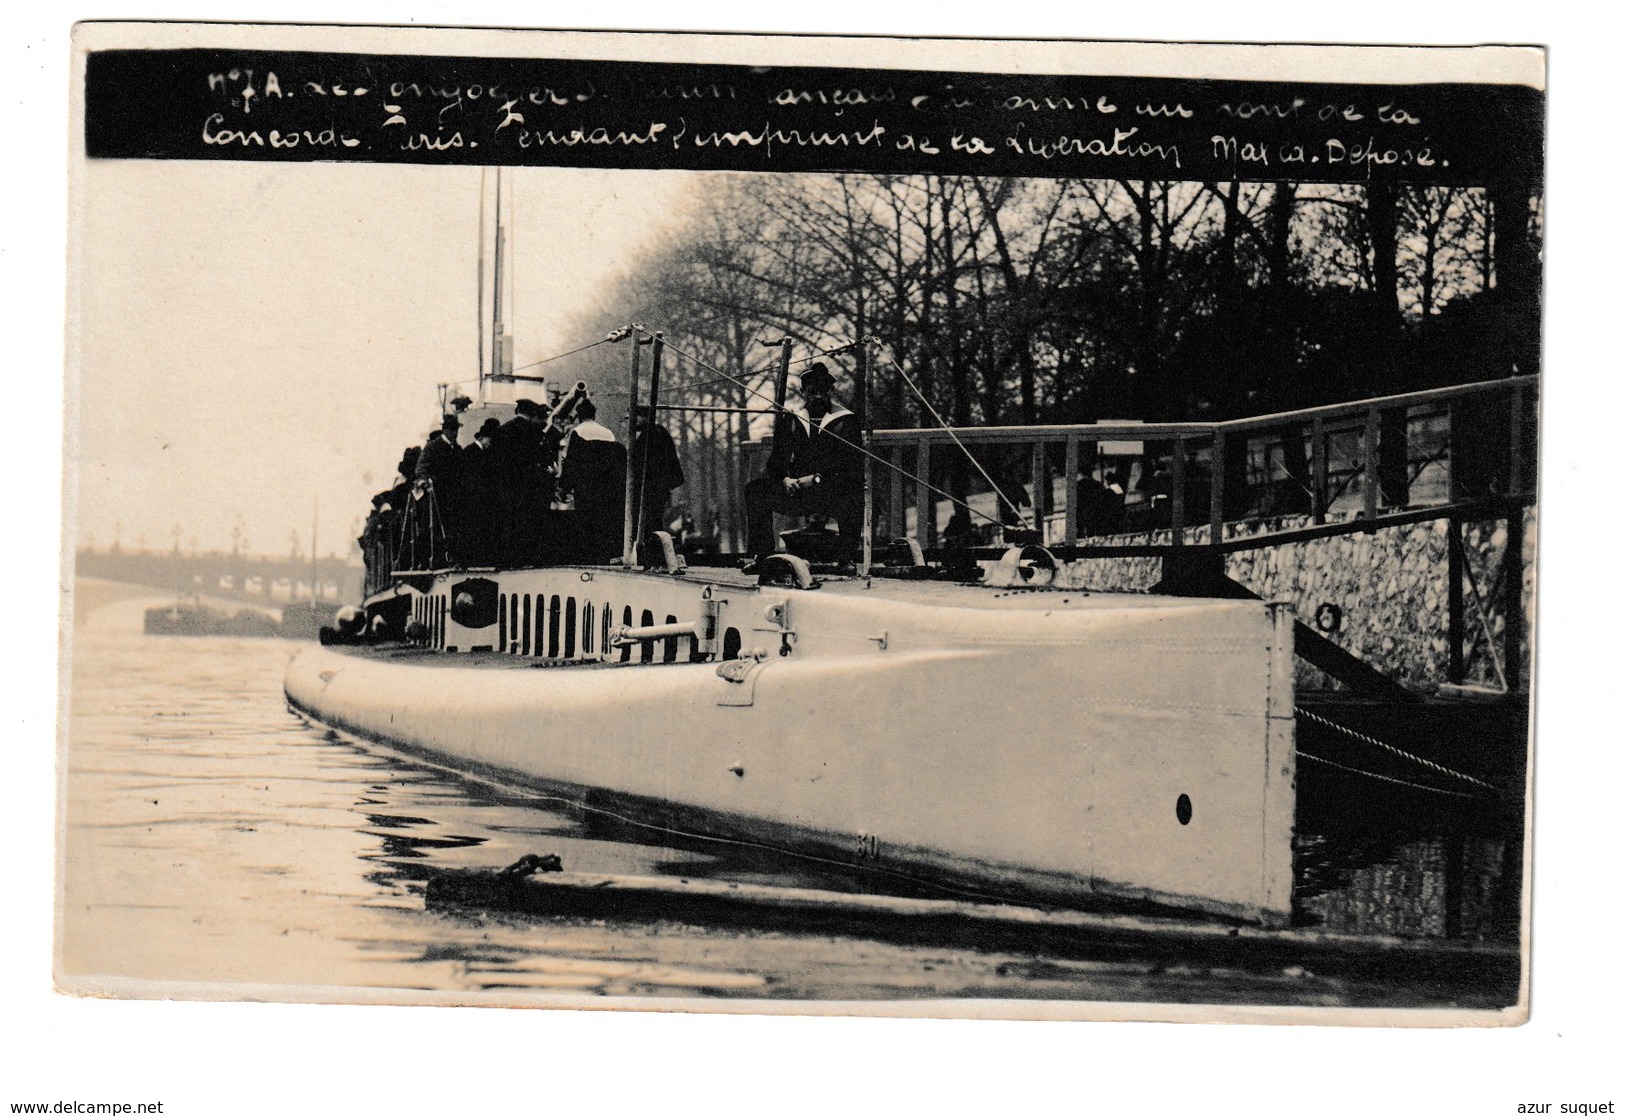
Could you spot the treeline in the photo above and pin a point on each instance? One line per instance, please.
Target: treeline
(1019, 301)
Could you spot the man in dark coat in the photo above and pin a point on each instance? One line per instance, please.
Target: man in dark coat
(520, 463)
(816, 468)
(384, 524)
(481, 489)
(656, 472)
(441, 464)
(593, 470)
(517, 443)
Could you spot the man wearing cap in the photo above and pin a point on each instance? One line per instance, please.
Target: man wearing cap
(816, 468)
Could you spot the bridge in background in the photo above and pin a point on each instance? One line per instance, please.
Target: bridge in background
(256, 579)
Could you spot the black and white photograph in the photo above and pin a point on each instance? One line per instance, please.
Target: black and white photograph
(835, 524)
(816, 525)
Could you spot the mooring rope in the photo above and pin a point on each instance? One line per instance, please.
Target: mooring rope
(1387, 778)
(1418, 760)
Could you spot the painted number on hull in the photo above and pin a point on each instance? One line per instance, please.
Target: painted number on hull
(868, 846)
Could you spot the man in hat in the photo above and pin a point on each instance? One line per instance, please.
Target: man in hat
(390, 506)
(441, 458)
(520, 464)
(441, 464)
(816, 468)
(517, 441)
(480, 495)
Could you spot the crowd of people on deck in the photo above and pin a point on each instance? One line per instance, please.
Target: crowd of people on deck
(548, 488)
(541, 488)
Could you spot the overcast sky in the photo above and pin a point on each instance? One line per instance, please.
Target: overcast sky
(256, 337)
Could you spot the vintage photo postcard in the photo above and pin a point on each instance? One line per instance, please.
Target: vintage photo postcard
(815, 525)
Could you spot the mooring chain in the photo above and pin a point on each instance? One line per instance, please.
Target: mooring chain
(1420, 761)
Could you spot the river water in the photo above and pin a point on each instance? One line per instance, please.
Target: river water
(216, 845)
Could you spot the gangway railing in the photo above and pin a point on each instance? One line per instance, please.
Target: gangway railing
(1191, 493)
(1472, 444)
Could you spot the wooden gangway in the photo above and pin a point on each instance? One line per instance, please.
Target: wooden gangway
(1191, 493)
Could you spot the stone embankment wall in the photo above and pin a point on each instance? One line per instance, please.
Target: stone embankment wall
(1392, 586)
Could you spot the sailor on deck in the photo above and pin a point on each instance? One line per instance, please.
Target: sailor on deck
(816, 468)
(593, 469)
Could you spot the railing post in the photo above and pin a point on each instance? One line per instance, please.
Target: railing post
(1453, 486)
(1456, 667)
(925, 505)
(1070, 488)
(628, 543)
(1176, 477)
(897, 525)
(1371, 476)
(1515, 450)
(1512, 598)
(1040, 489)
(1319, 468)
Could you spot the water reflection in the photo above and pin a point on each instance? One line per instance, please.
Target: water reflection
(1447, 886)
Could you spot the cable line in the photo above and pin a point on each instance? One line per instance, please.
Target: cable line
(909, 380)
(777, 407)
